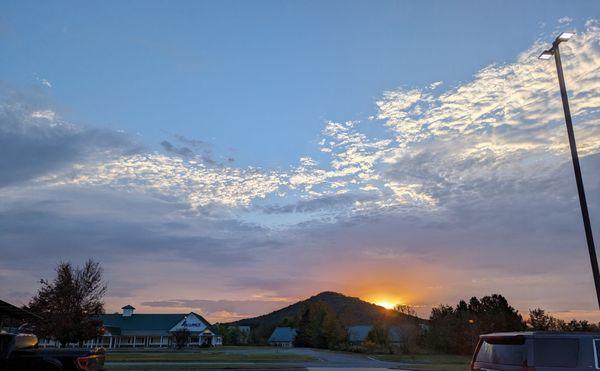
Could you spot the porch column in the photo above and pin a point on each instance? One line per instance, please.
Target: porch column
(160, 345)
(134, 341)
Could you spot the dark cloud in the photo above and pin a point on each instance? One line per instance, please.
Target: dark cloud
(181, 151)
(242, 307)
(325, 203)
(34, 142)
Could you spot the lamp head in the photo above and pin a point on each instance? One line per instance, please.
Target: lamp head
(565, 36)
(546, 54)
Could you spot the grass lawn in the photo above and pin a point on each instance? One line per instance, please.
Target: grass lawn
(204, 356)
(179, 367)
(446, 362)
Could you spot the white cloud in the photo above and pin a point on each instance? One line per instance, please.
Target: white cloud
(44, 114)
(565, 20)
(46, 83)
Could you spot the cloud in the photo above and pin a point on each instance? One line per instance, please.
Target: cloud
(34, 141)
(231, 309)
(565, 20)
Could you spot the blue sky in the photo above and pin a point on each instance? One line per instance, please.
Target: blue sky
(271, 149)
(256, 79)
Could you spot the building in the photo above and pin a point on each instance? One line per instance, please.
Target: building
(11, 317)
(153, 330)
(358, 334)
(283, 337)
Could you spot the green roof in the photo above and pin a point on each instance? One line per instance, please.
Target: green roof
(144, 324)
(141, 324)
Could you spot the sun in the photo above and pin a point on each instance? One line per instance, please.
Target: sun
(386, 304)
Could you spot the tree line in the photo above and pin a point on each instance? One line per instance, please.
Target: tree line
(457, 329)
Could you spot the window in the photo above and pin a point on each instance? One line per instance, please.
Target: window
(502, 353)
(556, 352)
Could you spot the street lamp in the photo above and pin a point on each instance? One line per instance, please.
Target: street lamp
(546, 55)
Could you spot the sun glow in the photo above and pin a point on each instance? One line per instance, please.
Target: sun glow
(386, 304)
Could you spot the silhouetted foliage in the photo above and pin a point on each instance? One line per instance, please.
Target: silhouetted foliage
(456, 330)
(68, 303)
(319, 327)
(405, 309)
(380, 335)
(232, 335)
(539, 320)
(181, 337)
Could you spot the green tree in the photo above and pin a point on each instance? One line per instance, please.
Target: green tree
(455, 330)
(319, 327)
(68, 304)
(379, 335)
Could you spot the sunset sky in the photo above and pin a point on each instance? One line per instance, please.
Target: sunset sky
(232, 157)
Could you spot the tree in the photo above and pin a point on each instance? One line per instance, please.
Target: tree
(455, 330)
(540, 321)
(68, 304)
(379, 335)
(181, 337)
(319, 327)
(405, 309)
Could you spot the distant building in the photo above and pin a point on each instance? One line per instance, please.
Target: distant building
(152, 330)
(283, 337)
(358, 334)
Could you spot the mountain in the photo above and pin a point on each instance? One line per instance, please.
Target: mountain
(351, 311)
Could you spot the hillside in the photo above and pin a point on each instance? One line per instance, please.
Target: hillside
(351, 311)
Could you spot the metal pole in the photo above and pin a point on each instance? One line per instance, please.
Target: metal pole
(582, 201)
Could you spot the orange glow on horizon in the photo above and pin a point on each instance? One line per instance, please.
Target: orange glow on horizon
(386, 304)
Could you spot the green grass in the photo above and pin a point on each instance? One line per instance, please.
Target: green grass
(177, 367)
(445, 362)
(204, 356)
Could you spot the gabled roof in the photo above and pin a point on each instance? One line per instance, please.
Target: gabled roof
(141, 324)
(8, 310)
(128, 307)
(283, 334)
(358, 333)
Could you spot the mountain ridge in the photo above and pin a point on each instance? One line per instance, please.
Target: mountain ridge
(350, 310)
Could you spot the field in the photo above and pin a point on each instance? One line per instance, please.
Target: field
(275, 358)
(206, 356)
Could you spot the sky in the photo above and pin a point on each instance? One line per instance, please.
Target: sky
(232, 157)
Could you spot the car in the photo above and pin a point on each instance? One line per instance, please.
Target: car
(19, 352)
(537, 351)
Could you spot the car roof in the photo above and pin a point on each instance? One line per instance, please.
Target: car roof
(539, 334)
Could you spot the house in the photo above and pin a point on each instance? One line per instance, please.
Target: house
(11, 317)
(283, 337)
(128, 329)
(358, 334)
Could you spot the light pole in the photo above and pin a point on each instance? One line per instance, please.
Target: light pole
(547, 54)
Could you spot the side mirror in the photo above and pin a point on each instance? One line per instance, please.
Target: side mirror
(25, 341)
